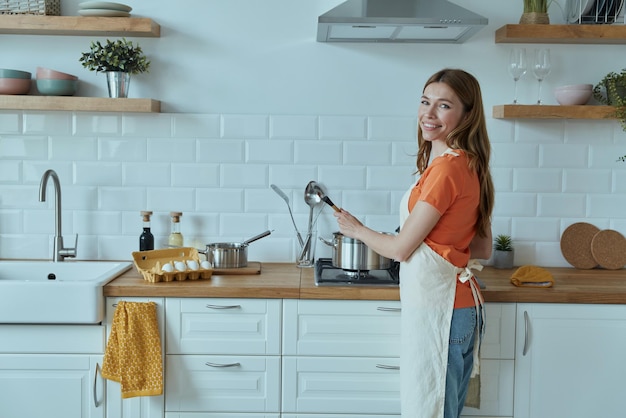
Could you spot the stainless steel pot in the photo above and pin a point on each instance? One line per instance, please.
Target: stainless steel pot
(352, 254)
(226, 255)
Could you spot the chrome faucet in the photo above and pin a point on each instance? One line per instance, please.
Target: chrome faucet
(59, 253)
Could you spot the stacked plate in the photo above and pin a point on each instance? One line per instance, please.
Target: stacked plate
(103, 8)
(593, 11)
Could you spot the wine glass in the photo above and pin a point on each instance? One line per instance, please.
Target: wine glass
(541, 67)
(517, 66)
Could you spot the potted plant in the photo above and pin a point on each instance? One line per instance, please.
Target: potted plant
(503, 252)
(535, 12)
(118, 59)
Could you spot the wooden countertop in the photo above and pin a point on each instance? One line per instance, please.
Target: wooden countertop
(286, 281)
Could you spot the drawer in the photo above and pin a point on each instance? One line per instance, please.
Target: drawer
(222, 383)
(339, 385)
(341, 328)
(223, 326)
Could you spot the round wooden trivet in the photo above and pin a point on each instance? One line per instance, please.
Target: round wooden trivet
(608, 248)
(576, 245)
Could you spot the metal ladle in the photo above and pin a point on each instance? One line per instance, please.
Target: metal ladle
(312, 198)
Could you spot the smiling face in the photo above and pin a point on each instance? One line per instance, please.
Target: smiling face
(440, 112)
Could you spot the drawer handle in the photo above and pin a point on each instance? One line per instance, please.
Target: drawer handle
(96, 403)
(387, 367)
(224, 306)
(208, 363)
(526, 325)
(388, 309)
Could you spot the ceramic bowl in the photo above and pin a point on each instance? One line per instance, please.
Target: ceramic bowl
(54, 87)
(572, 96)
(15, 85)
(7, 73)
(47, 73)
(576, 87)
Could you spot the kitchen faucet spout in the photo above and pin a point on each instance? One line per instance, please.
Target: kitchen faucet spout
(59, 252)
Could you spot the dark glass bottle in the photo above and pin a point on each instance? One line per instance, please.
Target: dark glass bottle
(146, 239)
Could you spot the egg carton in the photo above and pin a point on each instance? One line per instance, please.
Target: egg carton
(150, 265)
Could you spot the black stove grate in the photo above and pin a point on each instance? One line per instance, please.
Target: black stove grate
(328, 275)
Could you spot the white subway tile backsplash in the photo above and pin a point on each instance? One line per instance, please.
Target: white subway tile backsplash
(48, 123)
(343, 128)
(245, 126)
(171, 149)
(386, 128)
(94, 124)
(366, 153)
(10, 171)
(195, 175)
(537, 180)
(564, 156)
(147, 174)
(196, 125)
(23, 147)
(217, 169)
(322, 153)
(122, 149)
(293, 127)
(147, 125)
(272, 152)
(222, 151)
(577, 180)
(97, 174)
(64, 148)
(244, 176)
(10, 123)
(561, 205)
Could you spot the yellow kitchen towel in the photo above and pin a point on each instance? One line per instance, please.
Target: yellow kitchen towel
(532, 276)
(133, 353)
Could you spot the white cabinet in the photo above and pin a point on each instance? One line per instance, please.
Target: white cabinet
(138, 407)
(341, 359)
(570, 360)
(51, 371)
(223, 356)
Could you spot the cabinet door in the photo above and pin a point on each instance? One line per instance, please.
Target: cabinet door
(138, 407)
(570, 360)
(223, 326)
(222, 383)
(50, 385)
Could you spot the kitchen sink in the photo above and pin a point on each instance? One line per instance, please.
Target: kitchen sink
(44, 292)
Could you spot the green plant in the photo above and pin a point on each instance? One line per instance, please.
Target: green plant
(536, 6)
(503, 243)
(611, 91)
(120, 55)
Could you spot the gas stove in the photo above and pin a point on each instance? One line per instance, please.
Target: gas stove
(328, 275)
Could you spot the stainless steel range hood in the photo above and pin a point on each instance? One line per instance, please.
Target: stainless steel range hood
(398, 21)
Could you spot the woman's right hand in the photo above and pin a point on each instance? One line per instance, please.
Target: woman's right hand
(348, 224)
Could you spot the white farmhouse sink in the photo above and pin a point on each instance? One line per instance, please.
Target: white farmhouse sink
(43, 292)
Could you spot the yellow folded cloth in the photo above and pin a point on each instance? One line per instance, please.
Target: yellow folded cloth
(133, 353)
(532, 276)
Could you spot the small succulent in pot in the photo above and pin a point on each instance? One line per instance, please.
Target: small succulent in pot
(119, 55)
(503, 255)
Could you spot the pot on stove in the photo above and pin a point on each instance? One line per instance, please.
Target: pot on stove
(352, 254)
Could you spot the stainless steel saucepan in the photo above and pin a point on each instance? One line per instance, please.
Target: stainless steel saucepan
(353, 255)
(227, 255)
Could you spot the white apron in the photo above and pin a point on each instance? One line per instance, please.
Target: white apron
(427, 291)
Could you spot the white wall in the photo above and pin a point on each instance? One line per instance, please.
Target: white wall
(250, 99)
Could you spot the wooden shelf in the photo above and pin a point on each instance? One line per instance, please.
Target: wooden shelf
(78, 26)
(562, 34)
(79, 104)
(553, 112)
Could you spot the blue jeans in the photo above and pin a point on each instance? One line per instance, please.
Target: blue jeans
(460, 359)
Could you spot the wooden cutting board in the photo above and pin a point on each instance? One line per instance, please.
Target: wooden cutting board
(576, 245)
(253, 267)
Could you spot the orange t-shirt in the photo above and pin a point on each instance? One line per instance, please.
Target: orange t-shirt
(451, 187)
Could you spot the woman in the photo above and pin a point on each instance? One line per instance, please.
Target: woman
(446, 221)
